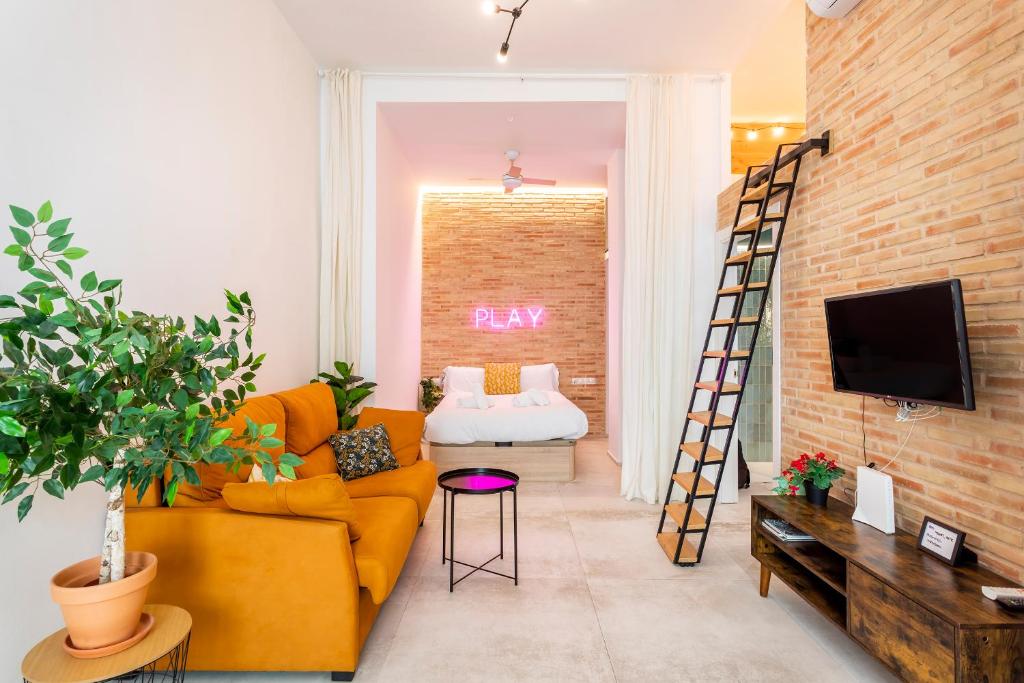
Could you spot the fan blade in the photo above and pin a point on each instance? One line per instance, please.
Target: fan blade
(515, 171)
(538, 181)
(508, 190)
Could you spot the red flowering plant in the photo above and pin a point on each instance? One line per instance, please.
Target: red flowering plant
(819, 469)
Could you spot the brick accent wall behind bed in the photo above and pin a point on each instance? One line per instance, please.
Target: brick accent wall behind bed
(522, 249)
(925, 101)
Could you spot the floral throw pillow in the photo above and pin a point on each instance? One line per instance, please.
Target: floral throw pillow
(362, 452)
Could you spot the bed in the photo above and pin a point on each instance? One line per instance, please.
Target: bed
(536, 442)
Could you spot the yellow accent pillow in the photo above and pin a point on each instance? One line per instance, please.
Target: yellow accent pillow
(501, 378)
(322, 497)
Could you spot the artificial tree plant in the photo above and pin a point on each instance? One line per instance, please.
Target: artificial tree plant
(349, 391)
(90, 392)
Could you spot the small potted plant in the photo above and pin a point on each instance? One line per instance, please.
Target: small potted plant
(810, 475)
(349, 391)
(93, 393)
(430, 394)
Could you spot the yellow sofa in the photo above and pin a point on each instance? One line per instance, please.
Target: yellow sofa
(283, 593)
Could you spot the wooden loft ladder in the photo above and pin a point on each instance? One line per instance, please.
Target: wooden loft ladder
(754, 236)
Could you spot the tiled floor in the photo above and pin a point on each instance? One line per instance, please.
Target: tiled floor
(597, 601)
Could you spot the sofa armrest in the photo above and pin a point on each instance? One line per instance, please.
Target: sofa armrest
(265, 592)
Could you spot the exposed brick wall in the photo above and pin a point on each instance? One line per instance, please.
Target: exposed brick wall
(925, 102)
(522, 249)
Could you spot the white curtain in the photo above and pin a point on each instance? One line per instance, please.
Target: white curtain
(675, 127)
(341, 219)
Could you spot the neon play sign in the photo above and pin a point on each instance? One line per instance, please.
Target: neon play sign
(514, 318)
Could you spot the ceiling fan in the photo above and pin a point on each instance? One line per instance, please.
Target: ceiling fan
(513, 178)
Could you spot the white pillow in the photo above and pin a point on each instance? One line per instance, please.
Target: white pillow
(542, 377)
(455, 378)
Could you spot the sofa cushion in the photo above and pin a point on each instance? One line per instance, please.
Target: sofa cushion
(261, 410)
(318, 461)
(362, 452)
(311, 416)
(404, 427)
(322, 497)
(389, 528)
(416, 482)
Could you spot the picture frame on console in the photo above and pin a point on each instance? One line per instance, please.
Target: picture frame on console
(944, 542)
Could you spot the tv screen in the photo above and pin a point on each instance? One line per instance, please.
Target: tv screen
(906, 344)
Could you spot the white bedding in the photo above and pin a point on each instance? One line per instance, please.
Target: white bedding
(450, 424)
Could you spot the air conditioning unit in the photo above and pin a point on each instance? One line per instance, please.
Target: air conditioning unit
(832, 9)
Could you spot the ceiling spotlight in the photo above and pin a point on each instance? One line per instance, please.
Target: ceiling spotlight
(503, 53)
(751, 134)
(778, 131)
(489, 7)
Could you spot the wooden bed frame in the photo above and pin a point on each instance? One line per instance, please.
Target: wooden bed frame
(553, 460)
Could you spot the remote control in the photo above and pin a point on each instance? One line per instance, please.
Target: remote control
(1012, 604)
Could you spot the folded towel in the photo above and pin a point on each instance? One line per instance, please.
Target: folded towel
(538, 397)
(522, 400)
(481, 398)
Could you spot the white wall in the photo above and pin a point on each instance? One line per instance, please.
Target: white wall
(399, 267)
(616, 208)
(182, 138)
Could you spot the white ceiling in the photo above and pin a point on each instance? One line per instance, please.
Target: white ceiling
(451, 143)
(618, 36)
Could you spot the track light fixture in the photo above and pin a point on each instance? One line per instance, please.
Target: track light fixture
(489, 7)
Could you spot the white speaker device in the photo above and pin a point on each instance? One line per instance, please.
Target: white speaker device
(874, 500)
(832, 9)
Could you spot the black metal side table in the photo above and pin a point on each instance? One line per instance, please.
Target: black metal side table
(478, 481)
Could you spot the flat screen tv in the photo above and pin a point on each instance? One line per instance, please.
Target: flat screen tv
(906, 344)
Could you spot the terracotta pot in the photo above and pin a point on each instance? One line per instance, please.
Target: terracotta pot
(101, 615)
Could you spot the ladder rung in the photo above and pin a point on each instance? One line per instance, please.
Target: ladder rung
(685, 479)
(736, 289)
(669, 541)
(758, 193)
(725, 322)
(677, 511)
(735, 355)
(750, 225)
(692, 449)
(744, 256)
(719, 387)
(704, 418)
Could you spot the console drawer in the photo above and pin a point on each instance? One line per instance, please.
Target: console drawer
(915, 643)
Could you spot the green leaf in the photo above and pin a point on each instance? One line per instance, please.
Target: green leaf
(5, 464)
(121, 348)
(171, 491)
(290, 459)
(92, 474)
(14, 492)
(41, 274)
(268, 429)
(124, 397)
(23, 217)
(25, 262)
(22, 237)
(45, 305)
(270, 442)
(220, 435)
(7, 301)
(65, 268)
(45, 212)
(107, 285)
(287, 471)
(58, 227)
(269, 472)
(11, 427)
(54, 488)
(192, 411)
(13, 250)
(61, 243)
(65, 319)
(74, 253)
(89, 281)
(24, 506)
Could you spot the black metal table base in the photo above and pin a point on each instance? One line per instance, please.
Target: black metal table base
(448, 535)
(170, 668)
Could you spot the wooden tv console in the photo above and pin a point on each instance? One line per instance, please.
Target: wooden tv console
(925, 620)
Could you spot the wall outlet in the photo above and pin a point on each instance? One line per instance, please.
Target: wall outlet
(577, 381)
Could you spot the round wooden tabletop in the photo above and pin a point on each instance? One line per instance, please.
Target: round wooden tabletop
(48, 663)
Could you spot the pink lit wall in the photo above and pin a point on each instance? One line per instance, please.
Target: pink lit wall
(398, 276)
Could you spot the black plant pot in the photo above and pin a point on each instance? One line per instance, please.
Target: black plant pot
(816, 496)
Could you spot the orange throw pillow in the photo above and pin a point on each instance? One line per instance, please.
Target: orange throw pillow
(322, 497)
(501, 378)
(404, 428)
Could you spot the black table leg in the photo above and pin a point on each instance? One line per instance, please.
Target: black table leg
(451, 553)
(501, 524)
(515, 535)
(444, 522)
